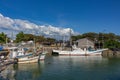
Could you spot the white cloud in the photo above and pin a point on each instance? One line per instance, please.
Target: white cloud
(6, 22)
(8, 25)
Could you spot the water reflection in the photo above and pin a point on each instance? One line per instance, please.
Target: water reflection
(73, 68)
(67, 68)
(83, 61)
(23, 71)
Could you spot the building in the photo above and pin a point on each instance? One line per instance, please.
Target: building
(85, 43)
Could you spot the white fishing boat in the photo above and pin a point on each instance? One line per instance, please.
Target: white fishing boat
(79, 52)
(75, 51)
(19, 55)
(28, 58)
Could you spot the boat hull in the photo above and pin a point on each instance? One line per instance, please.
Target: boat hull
(28, 60)
(42, 57)
(31, 59)
(78, 53)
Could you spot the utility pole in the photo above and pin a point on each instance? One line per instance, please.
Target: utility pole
(6, 41)
(70, 38)
(103, 38)
(102, 41)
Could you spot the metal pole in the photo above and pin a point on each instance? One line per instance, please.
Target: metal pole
(103, 38)
(34, 42)
(70, 39)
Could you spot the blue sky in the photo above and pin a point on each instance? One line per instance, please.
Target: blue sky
(80, 15)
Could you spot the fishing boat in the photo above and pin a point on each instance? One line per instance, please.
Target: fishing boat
(75, 51)
(20, 56)
(79, 52)
(28, 58)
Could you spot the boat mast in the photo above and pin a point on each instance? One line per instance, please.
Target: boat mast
(6, 40)
(70, 39)
(34, 43)
(12, 38)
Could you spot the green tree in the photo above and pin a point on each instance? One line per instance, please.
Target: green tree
(112, 44)
(20, 37)
(50, 40)
(28, 37)
(3, 37)
(74, 38)
(109, 40)
(91, 35)
(39, 38)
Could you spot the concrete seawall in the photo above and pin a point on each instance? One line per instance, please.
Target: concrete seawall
(49, 50)
(110, 53)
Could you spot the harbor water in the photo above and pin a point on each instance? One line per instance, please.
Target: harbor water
(66, 68)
